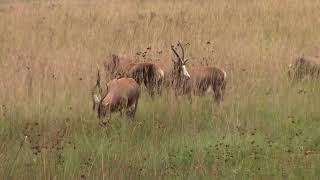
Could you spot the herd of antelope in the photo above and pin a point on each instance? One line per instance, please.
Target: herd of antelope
(122, 92)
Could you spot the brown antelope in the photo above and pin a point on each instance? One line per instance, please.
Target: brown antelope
(179, 73)
(118, 65)
(120, 95)
(201, 79)
(144, 73)
(304, 66)
(205, 79)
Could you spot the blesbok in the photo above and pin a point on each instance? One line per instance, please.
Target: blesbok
(201, 79)
(145, 73)
(118, 65)
(179, 73)
(304, 66)
(120, 95)
(204, 79)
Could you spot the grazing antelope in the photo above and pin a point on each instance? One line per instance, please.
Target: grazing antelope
(200, 80)
(304, 66)
(144, 73)
(121, 95)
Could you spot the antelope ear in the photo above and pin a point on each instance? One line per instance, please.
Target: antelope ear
(115, 59)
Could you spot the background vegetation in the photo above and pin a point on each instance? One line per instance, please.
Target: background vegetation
(265, 129)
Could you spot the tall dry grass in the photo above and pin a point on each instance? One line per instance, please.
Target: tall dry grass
(265, 128)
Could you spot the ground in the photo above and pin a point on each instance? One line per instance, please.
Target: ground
(266, 127)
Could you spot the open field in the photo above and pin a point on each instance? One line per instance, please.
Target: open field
(266, 128)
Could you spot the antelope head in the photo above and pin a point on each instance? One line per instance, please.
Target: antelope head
(179, 65)
(96, 93)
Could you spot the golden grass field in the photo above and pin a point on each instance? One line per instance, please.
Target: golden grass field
(266, 127)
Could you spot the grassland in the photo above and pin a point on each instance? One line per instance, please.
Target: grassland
(266, 128)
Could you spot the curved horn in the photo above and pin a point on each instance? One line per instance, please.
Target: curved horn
(175, 52)
(182, 51)
(98, 78)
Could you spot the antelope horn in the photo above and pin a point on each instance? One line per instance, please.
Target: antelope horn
(98, 78)
(175, 52)
(182, 50)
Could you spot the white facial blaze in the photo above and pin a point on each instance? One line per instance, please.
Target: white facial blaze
(185, 72)
(96, 98)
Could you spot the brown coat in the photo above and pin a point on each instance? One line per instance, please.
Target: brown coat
(145, 73)
(203, 79)
(305, 66)
(122, 94)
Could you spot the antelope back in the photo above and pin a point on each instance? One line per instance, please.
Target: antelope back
(119, 91)
(117, 65)
(305, 65)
